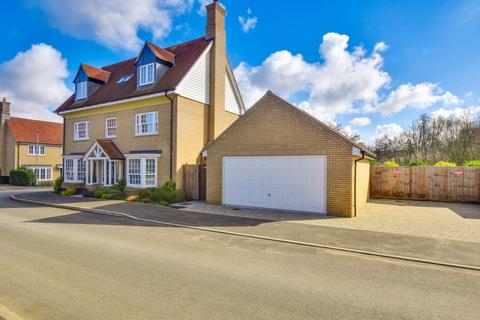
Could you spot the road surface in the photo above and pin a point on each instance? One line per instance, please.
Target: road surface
(61, 264)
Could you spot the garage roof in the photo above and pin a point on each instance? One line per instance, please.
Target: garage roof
(301, 113)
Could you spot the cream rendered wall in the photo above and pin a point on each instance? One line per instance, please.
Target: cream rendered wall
(52, 157)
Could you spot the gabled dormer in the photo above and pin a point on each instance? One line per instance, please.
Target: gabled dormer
(87, 80)
(152, 63)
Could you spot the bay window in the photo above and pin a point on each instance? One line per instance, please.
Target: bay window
(142, 172)
(74, 170)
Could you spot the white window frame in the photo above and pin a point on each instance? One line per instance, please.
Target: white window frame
(34, 151)
(76, 177)
(143, 170)
(81, 90)
(76, 135)
(107, 135)
(138, 125)
(45, 170)
(146, 74)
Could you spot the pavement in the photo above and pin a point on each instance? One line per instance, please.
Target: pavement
(64, 264)
(445, 251)
(441, 220)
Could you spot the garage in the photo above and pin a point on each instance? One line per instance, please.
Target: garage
(278, 156)
(277, 182)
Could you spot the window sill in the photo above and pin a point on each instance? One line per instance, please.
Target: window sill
(146, 134)
(75, 140)
(36, 155)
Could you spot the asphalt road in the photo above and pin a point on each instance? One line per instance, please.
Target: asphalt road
(59, 264)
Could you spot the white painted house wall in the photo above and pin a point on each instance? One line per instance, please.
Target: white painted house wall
(231, 100)
(196, 83)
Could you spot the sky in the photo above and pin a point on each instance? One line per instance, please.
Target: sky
(371, 66)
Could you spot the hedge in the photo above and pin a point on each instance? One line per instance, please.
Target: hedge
(23, 177)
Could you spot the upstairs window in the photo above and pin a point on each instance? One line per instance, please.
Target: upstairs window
(80, 130)
(146, 74)
(110, 127)
(146, 123)
(34, 150)
(81, 90)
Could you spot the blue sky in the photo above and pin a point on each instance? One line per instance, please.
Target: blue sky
(382, 63)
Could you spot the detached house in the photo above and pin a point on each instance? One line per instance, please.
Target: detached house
(143, 119)
(31, 144)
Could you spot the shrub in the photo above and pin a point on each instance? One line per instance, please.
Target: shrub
(120, 186)
(445, 164)
(67, 193)
(163, 203)
(417, 163)
(108, 193)
(373, 162)
(57, 187)
(390, 164)
(472, 163)
(22, 177)
(168, 193)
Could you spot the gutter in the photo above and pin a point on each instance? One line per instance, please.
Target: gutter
(355, 183)
(115, 102)
(171, 133)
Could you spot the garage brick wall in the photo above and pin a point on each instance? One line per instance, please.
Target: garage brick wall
(273, 129)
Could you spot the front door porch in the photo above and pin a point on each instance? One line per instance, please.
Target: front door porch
(104, 164)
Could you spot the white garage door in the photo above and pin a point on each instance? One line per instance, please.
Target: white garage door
(289, 183)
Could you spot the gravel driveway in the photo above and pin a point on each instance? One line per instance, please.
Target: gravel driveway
(454, 221)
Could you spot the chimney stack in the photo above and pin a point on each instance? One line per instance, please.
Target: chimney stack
(215, 31)
(5, 109)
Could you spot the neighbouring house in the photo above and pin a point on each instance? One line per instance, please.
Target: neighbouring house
(30, 143)
(145, 118)
(278, 156)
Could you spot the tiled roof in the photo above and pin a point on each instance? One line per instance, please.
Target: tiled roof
(186, 54)
(25, 130)
(110, 149)
(161, 54)
(96, 73)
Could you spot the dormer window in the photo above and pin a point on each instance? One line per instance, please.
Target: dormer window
(81, 90)
(147, 74)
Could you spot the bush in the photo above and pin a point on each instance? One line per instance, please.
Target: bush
(390, 164)
(23, 177)
(167, 194)
(120, 186)
(67, 193)
(417, 163)
(108, 193)
(472, 163)
(445, 164)
(373, 162)
(57, 187)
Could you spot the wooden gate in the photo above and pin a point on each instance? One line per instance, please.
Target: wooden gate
(460, 184)
(194, 181)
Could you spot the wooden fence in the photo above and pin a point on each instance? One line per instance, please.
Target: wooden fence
(460, 184)
(194, 181)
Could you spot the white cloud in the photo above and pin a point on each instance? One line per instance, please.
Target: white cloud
(342, 81)
(390, 130)
(333, 86)
(248, 23)
(457, 112)
(34, 82)
(360, 121)
(469, 94)
(418, 96)
(115, 23)
(202, 4)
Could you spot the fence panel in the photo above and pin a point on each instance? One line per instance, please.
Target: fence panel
(460, 184)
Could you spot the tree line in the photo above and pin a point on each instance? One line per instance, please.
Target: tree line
(431, 139)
